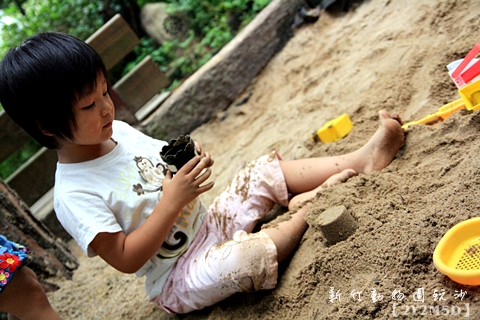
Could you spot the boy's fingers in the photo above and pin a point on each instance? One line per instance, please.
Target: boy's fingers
(209, 160)
(196, 165)
(204, 176)
(206, 187)
(199, 148)
(190, 165)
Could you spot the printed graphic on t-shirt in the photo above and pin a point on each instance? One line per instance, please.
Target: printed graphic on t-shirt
(183, 230)
(153, 175)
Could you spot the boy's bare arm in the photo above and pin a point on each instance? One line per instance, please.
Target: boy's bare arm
(129, 253)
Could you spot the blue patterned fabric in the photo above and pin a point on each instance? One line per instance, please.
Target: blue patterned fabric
(13, 256)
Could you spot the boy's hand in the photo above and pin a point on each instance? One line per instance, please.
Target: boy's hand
(186, 185)
(203, 153)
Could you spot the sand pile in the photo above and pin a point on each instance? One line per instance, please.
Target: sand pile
(384, 54)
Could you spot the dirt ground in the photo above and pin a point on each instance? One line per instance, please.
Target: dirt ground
(383, 54)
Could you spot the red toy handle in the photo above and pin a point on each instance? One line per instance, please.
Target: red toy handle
(471, 72)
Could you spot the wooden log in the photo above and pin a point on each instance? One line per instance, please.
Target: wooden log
(122, 111)
(49, 255)
(214, 86)
(11, 135)
(35, 177)
(113, 41)
(141, 84)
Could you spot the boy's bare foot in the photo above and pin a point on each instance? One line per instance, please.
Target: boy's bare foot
(339, 177)
(383, 146)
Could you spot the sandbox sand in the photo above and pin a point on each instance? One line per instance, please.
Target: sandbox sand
(383, 54)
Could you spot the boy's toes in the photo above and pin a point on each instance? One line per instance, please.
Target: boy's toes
(384, 115)
(396, 116)
(339, 177)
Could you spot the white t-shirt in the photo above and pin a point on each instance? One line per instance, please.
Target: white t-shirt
(117, 192)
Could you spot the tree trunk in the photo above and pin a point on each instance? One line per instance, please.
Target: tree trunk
(129, 10)
(49, 255)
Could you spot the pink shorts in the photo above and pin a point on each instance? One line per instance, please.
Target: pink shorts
(225, 258)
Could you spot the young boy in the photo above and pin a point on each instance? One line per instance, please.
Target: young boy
(21, 295)
(116, 198)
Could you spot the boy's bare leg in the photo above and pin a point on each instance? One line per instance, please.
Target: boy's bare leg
(288, 233)
(336, 178)
(24, 298)
(306, 177)
(306, 174)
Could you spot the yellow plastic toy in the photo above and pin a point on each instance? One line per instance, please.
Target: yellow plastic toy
(471, 95)
(442, 114)
(469, 92)
(457, 255)
(334, 129)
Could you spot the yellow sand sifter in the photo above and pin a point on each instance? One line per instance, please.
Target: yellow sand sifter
(457, 254)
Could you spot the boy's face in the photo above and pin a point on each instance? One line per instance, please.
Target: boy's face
(94, 116)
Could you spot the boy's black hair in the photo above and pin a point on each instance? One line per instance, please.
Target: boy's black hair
(42, 79)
